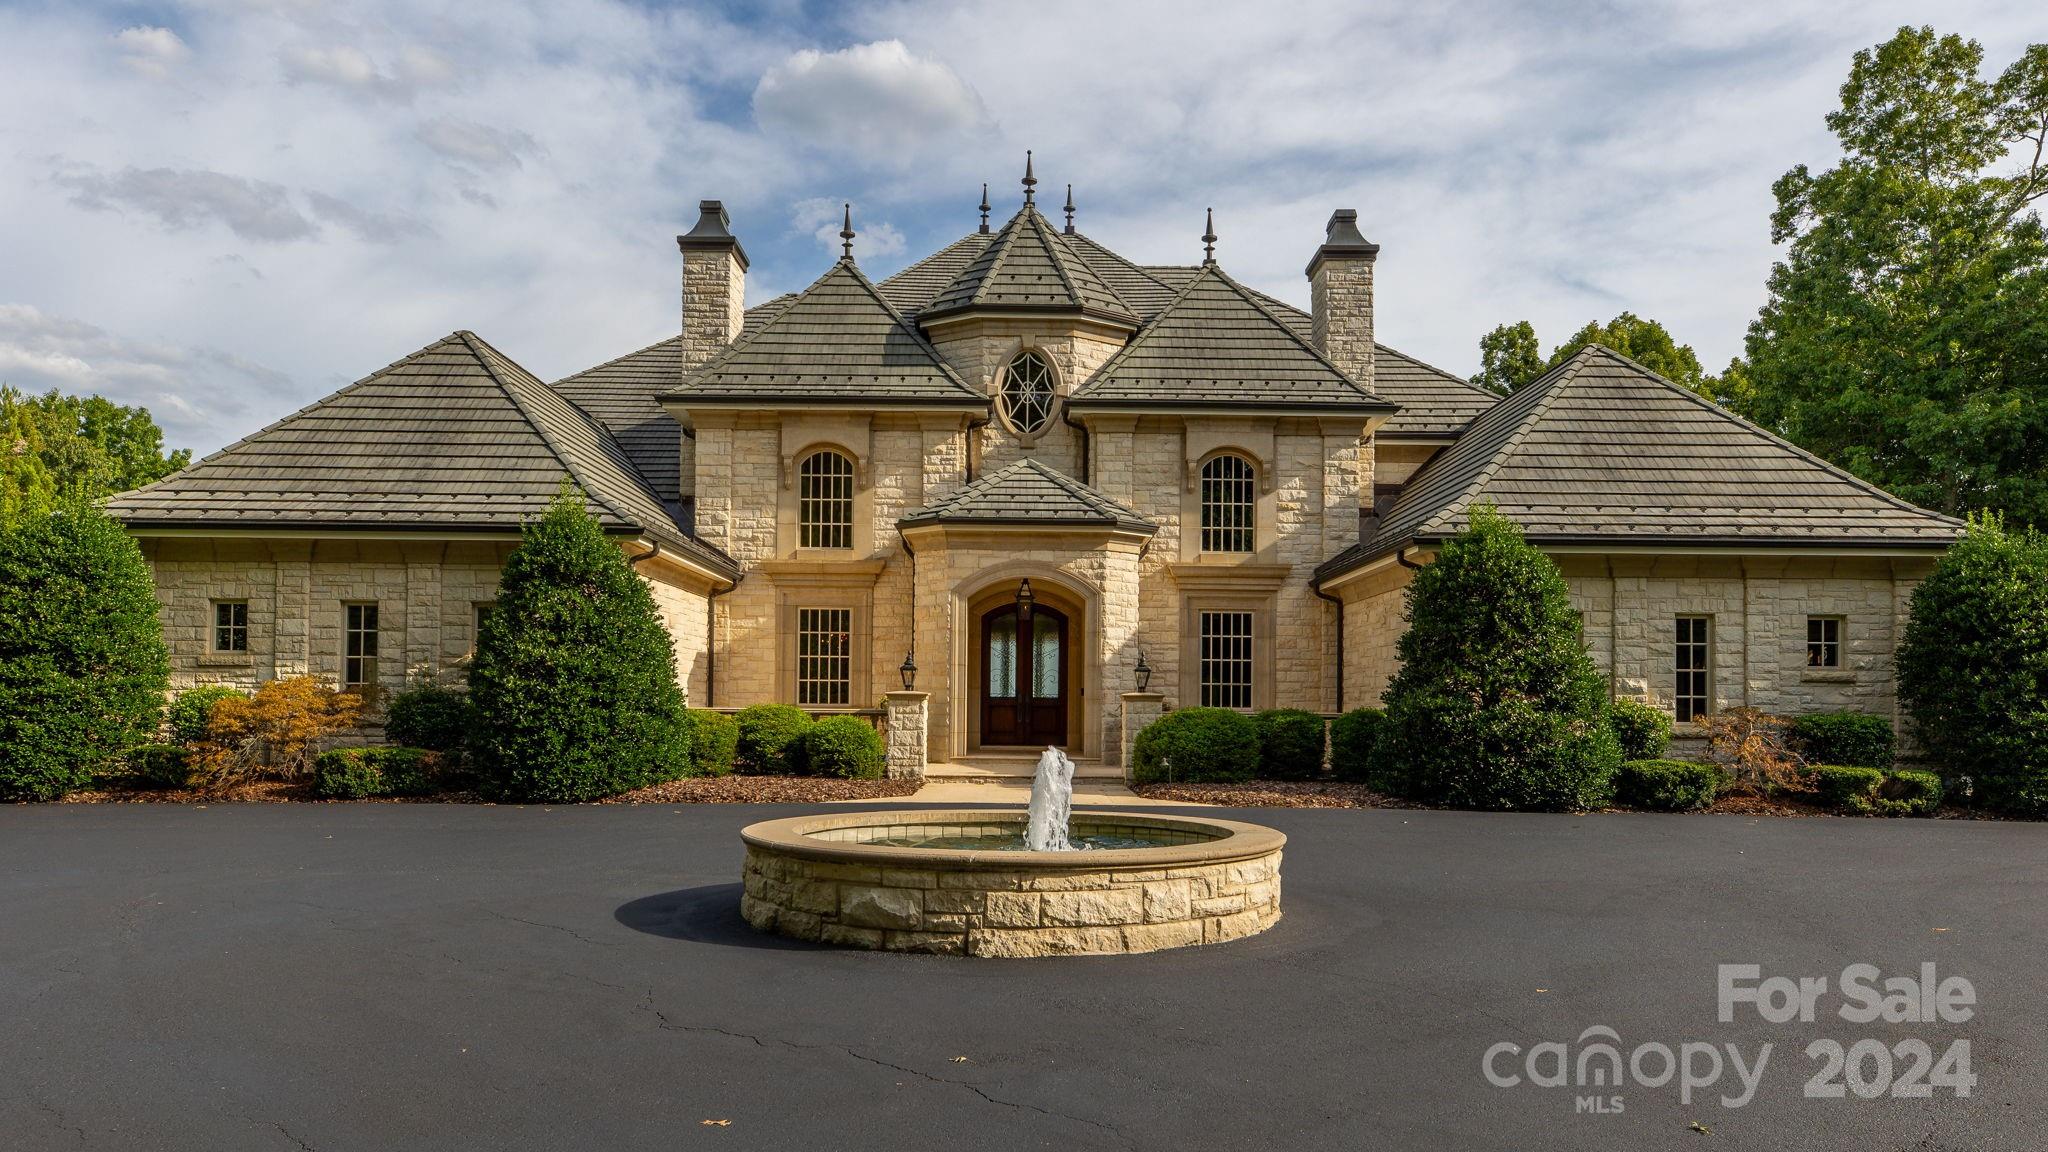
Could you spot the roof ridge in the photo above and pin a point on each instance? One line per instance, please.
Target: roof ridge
(1056, 250)
(1445, 373)
(1544, 388)
(1251, 297)
(909, 328)
(1145, 333)
(997, 252)
(486, 355)
(1771, 437)
(1126, 261)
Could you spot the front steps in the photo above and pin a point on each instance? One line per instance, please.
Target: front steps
(1012, 767)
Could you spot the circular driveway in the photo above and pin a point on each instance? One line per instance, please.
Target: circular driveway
(435, 976)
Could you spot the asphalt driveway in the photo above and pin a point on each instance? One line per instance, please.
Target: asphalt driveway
(341, 977)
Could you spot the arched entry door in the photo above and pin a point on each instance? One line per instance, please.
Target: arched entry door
(1024, 676)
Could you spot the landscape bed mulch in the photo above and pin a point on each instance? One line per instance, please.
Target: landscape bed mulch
(1273, 794)
(695, 790)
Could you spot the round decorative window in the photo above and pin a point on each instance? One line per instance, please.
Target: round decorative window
(1027, 395)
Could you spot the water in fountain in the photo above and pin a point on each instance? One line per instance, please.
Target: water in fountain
(1052, 803)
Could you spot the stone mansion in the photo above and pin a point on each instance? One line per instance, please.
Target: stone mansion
(1031, 493)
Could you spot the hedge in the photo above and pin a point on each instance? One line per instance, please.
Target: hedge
(1666, 785)
(714, 739)
(771, 740)
(1855, 738)
(160, 766)
(192, 709)
(844, 746)
(356, 773)
(1290, 744)
(1909, 792)
(1197, 746)
(1352, 737)
(1642, 730)
(429, 717)
(1849, 787)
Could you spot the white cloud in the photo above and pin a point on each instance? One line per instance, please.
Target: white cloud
(351, 69)
(479, 145)
(185, 198)
(151, 52)
(875, 102)
(189, 390)
(375, 227)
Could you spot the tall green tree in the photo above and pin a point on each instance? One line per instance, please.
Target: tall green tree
(27, 489)
(1509, 356)
(573, 691)
(83, 671)
(1906, 334)
(88, 447)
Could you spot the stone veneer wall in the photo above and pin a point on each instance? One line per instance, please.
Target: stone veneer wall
(990, 912)
(426, 594)
(1758, 605)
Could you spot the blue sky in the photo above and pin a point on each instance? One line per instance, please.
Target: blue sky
(228, 208)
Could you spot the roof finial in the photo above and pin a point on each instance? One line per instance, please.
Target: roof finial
(1029, 179)
(1070, 209)
(1209, 239)
(846, 235)
(984, 208)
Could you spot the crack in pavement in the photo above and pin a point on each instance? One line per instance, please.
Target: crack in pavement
(556, 927)
(662, 1020)
(287, 1134)
(58, 1115)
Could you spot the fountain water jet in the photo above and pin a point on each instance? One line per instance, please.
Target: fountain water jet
(1052, 804)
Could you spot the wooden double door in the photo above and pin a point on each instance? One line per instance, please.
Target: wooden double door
(1024, 676)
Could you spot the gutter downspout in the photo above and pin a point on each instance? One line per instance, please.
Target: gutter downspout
(1315, 585)
(711, 641)
(1401, 555)
(1067, 418)
(912, 553)
(971, 443)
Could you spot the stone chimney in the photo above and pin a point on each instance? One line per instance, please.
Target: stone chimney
(1340, 296)
(714, 285)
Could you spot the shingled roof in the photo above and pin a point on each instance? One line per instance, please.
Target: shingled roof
(913, 289)
(1029, 492)
(1603, 450)
(455, 437)
(838, 342)
(1028, 266)
(1216, 345)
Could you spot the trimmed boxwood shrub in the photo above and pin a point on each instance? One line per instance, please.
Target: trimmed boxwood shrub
(355, 773)
(83, 671)
(1849, 787)
(192, 709)
(770, 740)
(1290, 744)
(844, 746)
(1352, 737)
(1666, 785)
(1973, 666)
(573, 688)
(430, 717)
(714, 739)
(1909, 792)
(1197, 746)
(1497, 704)
(1855, 738)
(160, 766)
(1642, 730)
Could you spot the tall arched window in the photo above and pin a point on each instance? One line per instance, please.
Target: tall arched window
(1027, 393)
(1229, 505)
(824, 487)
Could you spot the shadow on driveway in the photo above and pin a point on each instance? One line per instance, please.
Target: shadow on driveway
(706, 915)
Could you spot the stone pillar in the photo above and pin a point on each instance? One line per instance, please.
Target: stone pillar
(906, 734)
(1139, 709)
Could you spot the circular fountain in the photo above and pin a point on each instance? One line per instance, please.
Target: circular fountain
(1042, 882)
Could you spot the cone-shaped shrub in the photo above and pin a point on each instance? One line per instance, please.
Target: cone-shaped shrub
(83, 670)
(1497, 704)
(1973, 666)
(574, 687)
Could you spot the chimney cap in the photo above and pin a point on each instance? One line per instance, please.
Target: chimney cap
(1343, 241)
(713, 230)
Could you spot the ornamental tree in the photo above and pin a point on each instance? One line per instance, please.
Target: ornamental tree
(1973, 666)
(573, 688)
(83, 671)
(1497, 704)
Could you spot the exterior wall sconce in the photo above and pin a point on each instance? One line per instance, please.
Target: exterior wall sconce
(1144, 671)
(909, 671)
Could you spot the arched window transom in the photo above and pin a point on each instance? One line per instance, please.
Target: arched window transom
(825, 501)
(1229, 504)
(1027, 394)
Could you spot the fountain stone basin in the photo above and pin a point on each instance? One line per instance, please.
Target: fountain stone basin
(859, 879)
